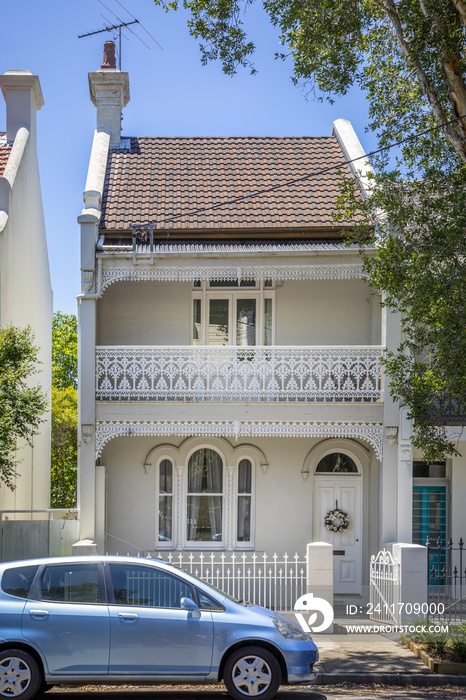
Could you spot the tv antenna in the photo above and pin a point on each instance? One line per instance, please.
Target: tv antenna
(118, 27)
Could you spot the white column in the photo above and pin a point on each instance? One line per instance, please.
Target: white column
(405, 481)
(100, 509)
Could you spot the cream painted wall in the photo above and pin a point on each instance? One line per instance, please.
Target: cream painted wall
(26, 299)
(327, 312)
(145, 313)
(307, 313)
(283, 500)
(458, 495)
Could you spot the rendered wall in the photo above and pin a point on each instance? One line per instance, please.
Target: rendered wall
(307, 313)
(26, 299)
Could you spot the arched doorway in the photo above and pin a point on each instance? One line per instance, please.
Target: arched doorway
(338, 485)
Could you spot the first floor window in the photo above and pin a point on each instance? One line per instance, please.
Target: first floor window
(208, 506)
(205, 497)
(165, 501)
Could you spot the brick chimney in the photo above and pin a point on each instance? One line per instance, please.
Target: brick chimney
(109, 89)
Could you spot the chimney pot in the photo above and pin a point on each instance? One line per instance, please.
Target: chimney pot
(109, 60)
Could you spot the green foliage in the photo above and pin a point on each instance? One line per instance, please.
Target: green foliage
(22, 405)
(64, 447)
(64, 350)
(409, 58)
(64, 410)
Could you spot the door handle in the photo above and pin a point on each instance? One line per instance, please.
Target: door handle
(39, 614)
(128, 616)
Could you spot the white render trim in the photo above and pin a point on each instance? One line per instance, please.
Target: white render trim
(352, 149)
(97, 165)
(110, 275)
(108, 430)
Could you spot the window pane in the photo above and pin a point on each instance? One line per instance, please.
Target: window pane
(196, 321)
(244, 518)
(244, 476)
(205, 602)
(140, 585)
(337, 463)
(246, 322)
(165, 518)
(18, 581)
(267, 321)
(218, 322)
(204, 518)
(73, 583)
(205, 472)
(165, 476)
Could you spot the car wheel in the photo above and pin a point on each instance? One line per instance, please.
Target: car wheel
(252, 672)
(20, 676)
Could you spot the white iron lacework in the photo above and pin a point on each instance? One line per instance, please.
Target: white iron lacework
(231, 272)
(108, 430)
(238, 373)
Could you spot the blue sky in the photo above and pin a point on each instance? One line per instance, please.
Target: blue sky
(172, 94)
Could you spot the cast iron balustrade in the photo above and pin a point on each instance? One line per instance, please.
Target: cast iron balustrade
(189, 373)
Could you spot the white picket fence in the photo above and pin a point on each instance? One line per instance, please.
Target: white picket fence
(273, 581)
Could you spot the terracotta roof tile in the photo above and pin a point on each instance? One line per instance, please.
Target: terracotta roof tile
(5, 150)
(162, 177)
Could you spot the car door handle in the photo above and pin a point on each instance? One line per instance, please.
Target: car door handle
(128, 616)
(39, 614)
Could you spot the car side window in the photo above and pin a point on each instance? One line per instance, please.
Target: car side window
(205, 602)
(18, 581)
(147, 586)
(71, 583)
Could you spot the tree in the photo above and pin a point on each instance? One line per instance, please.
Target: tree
(64, 410)
(409, 58)
(64, 350)
(22, 405)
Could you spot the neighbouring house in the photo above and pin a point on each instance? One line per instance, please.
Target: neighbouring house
(25, 290)
(231, 390)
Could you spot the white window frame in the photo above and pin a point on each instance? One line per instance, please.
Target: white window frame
(259, 292)
(236, 543)
(165, 544)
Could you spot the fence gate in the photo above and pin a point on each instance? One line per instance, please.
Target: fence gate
(384, 588)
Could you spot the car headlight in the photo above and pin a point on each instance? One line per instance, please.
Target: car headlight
(290, 630)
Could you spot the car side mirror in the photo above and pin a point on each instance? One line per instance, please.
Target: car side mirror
(190, 606)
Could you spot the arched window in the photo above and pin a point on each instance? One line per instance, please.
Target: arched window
(165, 489)
(204, 512)
(244, 509)
(336, 463)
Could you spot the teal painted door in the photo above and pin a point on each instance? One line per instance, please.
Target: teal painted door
(430, 520)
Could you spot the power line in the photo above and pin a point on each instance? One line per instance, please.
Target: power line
(309, 176)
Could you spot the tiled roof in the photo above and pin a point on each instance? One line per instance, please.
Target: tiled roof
(158, 178)
(5, 149)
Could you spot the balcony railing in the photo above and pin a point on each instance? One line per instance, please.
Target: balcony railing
(238, 373)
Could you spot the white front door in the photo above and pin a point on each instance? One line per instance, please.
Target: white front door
(344, 490)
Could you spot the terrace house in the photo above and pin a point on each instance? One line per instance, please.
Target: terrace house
(231, 386)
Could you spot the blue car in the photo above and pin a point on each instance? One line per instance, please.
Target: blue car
(108, 620)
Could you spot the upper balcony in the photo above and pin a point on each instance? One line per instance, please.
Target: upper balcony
(256, 374)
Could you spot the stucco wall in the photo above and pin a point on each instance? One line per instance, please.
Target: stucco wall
(26, 299)
(307, 313)
(146, 313)
(283, 500)
(330, 312)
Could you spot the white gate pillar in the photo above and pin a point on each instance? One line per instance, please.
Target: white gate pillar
(413, 580)
(319, 574)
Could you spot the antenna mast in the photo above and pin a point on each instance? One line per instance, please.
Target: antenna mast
(111, 28)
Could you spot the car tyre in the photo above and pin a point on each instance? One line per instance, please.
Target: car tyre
(20, 675)
(252, 672)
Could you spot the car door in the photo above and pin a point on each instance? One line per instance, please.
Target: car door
(68, 619)
(150, 633)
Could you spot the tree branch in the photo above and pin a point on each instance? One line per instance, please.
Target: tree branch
(461, 7)
(456, 141)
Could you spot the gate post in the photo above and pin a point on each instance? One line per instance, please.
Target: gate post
(413, 580)
(319, 574)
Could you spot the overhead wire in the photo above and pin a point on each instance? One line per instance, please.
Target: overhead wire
(309, 176)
